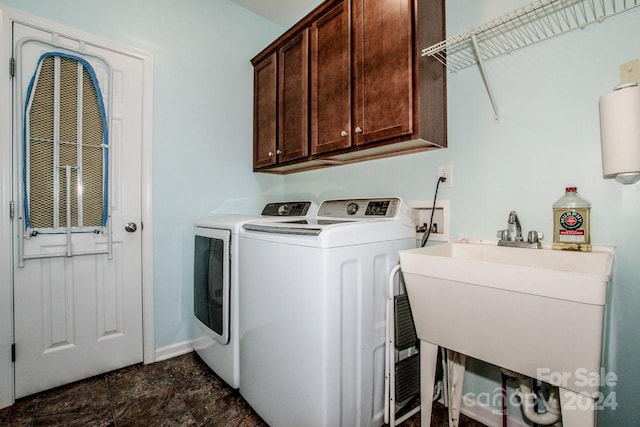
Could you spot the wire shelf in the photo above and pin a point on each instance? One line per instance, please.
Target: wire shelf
(536, 22)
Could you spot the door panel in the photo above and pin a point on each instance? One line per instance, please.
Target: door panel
(383, 96)
(293, 89)
(212, 280)
(79, 316)
(57, 296)
(331, 81)
(265, 107)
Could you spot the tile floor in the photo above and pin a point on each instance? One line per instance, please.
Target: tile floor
(181, 391)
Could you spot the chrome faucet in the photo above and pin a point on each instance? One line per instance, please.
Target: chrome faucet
(513, 220)
(533, 238)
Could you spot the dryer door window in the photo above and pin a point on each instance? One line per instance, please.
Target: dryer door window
(212, 280)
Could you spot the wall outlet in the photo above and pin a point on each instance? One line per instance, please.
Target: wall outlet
(446, 171)
(630, 71)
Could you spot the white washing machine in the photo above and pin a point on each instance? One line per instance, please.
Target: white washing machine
(216, 271)
(312, 312)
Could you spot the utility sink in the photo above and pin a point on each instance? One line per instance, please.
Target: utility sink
(538, 312)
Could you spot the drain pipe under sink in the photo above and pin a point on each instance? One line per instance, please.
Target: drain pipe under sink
(528, 399)
(551, 416)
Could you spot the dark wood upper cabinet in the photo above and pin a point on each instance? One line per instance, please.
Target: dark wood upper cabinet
(351, 86)
(265, 95)
(382, 70)
(331, 81)
(293, 99)
(281, 104)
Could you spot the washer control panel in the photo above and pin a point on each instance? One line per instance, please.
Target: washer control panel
(360, 208)
(286, 209)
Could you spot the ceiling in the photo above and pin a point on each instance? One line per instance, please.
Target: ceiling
(281, 12)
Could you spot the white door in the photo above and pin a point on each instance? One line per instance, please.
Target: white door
(81, 315)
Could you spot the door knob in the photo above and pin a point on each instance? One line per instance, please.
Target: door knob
(131, 227)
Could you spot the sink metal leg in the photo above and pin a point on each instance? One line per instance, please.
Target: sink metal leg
(577, 409)
(428, 363)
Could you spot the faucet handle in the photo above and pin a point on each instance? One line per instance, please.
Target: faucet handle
(535, 236)
(503, 234)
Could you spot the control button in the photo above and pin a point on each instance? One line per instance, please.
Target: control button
(352, 208)
(283, 209)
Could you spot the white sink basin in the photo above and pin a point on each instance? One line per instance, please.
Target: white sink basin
(538, 312)
(572, 276)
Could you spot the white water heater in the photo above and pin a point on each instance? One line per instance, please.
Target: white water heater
(620, 133)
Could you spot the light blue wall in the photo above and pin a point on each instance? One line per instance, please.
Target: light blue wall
(202, 134)
(548, 138)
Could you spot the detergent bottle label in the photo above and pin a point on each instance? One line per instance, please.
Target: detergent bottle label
(571, 229)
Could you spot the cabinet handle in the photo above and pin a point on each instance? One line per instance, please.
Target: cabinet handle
(358, 129)
(344, 133)
(270, 154)
(279, 152)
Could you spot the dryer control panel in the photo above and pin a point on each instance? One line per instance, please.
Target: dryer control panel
(287, 209)
(360, 208)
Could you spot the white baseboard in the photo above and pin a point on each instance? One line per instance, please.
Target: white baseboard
(174, 350)
(488, 415)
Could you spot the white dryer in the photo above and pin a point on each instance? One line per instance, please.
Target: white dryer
(215, 291)
(312, 316)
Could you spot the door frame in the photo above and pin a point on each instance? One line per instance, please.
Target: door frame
(8, 187)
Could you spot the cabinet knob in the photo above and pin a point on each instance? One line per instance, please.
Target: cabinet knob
(279, 152)
(344, 133)
(358, 129)
(270, 154)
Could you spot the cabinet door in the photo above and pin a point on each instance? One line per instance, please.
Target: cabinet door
(331, 81)
(265, 112)
(383, 95)
(293, 99)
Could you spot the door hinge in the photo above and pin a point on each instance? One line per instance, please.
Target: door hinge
(13, 352)
(12, 209)
(12, 66)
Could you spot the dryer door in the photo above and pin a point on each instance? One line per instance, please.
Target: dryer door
(211, 280)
